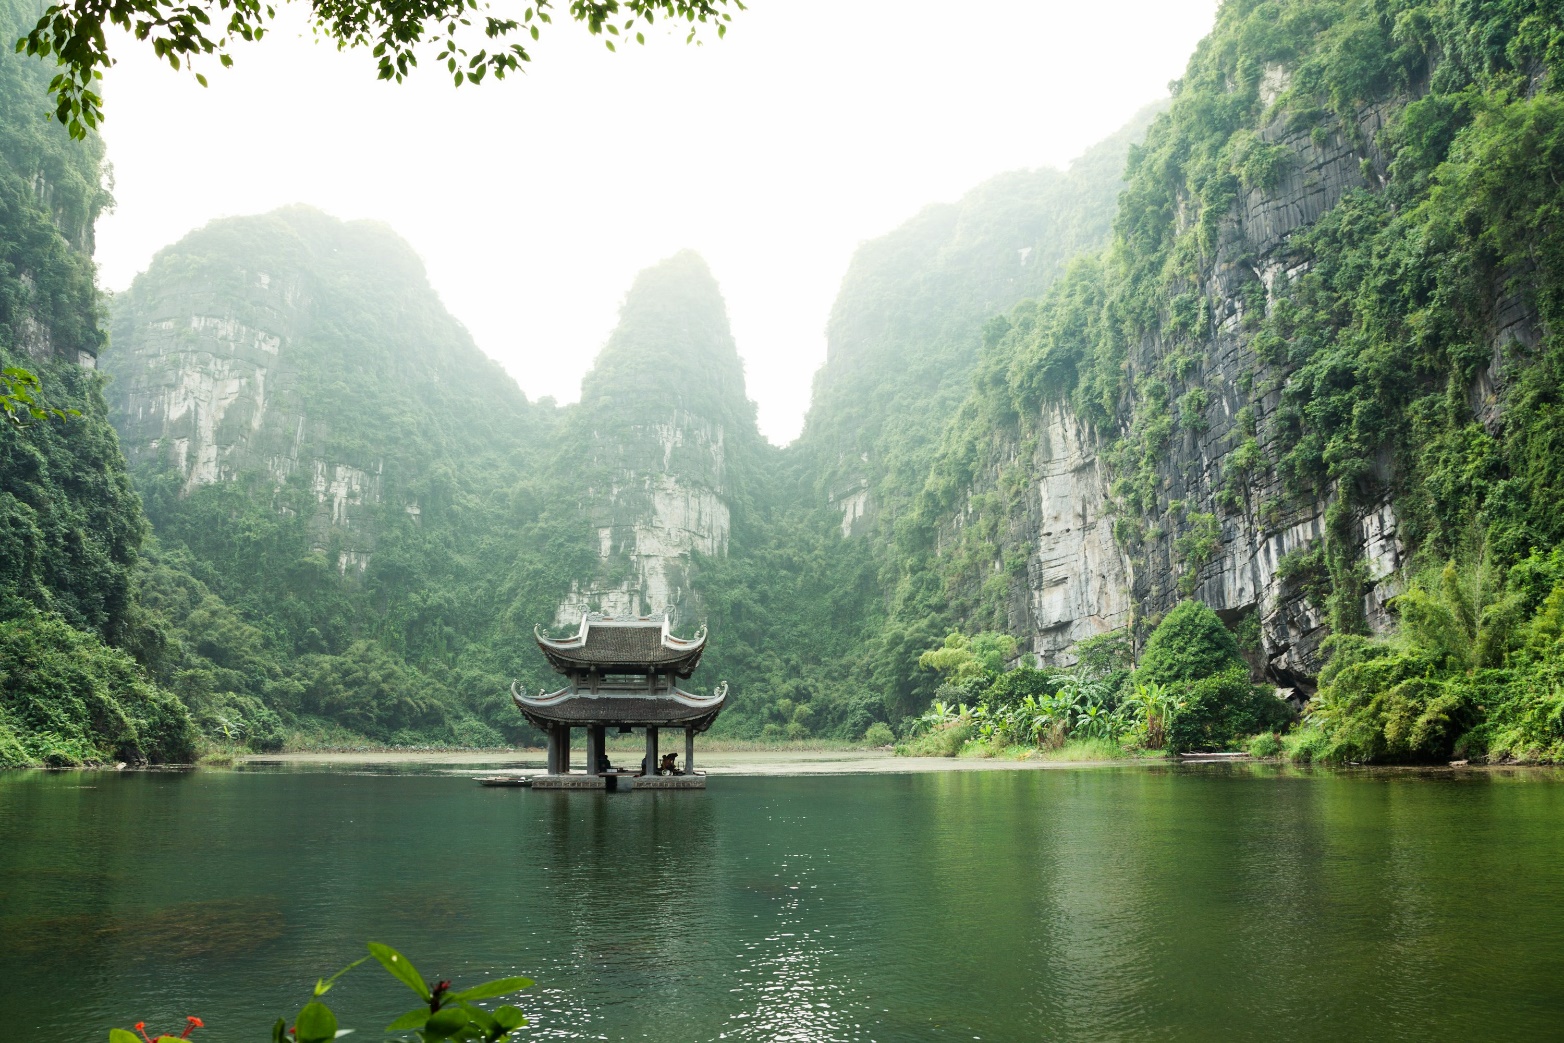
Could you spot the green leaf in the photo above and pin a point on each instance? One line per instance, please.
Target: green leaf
(443, 1024)
(509, 1018)
(280, 1032)
(121, 1036)
(324, 985)
(479, 1019)
(316, 1024)
(400, 969)
(413, 1019)
(490, 989)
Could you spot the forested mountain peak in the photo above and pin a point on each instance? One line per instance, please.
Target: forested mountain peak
(672, 348)
(254, 340)
(663, 445)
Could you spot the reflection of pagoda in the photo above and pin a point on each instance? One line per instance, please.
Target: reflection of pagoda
(623, 673)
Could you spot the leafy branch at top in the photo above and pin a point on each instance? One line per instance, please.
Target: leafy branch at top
(471, 41)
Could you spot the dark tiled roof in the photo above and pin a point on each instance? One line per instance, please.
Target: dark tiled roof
(612, 710)
(626, 644)
(638, 644)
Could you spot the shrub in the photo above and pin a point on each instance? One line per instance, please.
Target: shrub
(1381, 703)
(941, 742)
(1306, 745)
(1190, 644)
(1024, 681)
(1266, 744)
(879, 734)
(1220, 709)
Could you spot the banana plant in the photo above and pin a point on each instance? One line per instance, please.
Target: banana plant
(1154, 708)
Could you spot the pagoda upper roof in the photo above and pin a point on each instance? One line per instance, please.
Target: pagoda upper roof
(608, 644)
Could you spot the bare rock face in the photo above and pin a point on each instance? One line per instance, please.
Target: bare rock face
(667, 504)
(906, 328)
(660, 442)
(1078, 578)
(202, 381)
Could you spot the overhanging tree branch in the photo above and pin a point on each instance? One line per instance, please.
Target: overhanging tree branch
(473, 38)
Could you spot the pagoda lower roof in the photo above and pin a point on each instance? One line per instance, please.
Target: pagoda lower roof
(574, 708)
(606, 644)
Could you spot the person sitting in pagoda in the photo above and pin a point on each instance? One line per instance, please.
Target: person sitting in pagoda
(668, 766)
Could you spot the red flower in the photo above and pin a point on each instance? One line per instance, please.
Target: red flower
(191, 1024)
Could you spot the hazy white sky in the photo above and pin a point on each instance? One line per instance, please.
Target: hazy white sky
(816, 124)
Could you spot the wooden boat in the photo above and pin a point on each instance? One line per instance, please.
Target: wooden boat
(503, 780)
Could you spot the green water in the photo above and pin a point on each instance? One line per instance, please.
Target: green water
(1100, 904)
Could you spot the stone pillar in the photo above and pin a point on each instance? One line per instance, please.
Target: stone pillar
(553, 749)
(651, 751)
(595, 745)
(689, 750)
(564, 749)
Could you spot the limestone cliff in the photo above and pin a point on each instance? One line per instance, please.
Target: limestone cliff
(906, 326)
(309, 356)
(658, 445)
(1292, 346)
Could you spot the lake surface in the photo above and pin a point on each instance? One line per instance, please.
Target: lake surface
(1093, 904)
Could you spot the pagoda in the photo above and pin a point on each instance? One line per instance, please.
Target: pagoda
(622, 674)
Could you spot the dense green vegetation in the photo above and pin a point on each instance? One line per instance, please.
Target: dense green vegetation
(70, 523)
(1190, 691)
(1374, 352)
(1399, 350)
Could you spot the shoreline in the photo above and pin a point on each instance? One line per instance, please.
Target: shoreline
(715, 762)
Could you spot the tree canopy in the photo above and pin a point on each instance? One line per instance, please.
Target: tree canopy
(468, 36)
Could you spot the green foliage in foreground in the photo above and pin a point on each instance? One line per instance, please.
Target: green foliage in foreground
(443, 1013)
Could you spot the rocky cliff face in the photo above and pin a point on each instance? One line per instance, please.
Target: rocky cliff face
(658, 446)
(1256, 526)
(255, 351)
(1177, 422)
(906, 327)
(1222, 524)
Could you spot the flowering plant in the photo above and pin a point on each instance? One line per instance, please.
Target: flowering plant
(443, 1013)
(121, 1036)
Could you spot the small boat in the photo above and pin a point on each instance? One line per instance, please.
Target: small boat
(504, 780)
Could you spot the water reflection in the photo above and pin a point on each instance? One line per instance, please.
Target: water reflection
(1090, 904)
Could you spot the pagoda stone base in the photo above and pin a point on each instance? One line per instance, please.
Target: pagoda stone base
(670, 782)
(568, 782)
